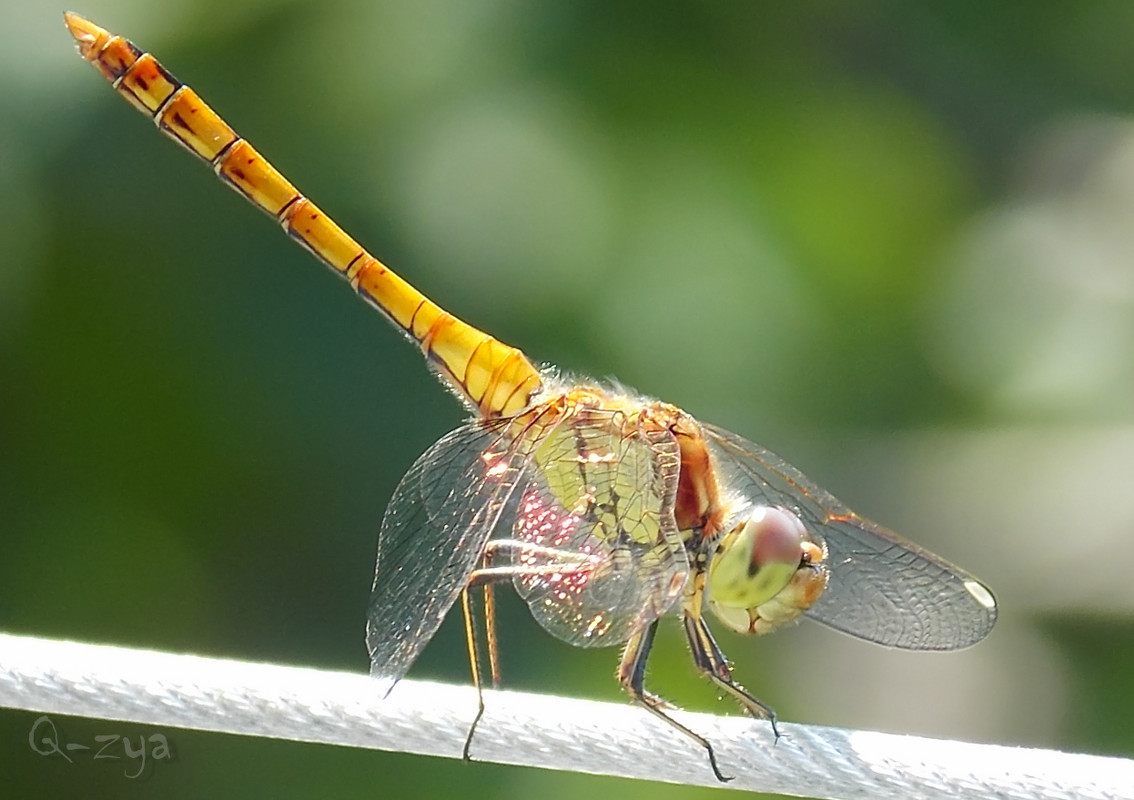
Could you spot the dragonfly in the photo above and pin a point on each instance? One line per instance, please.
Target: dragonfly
(606, 510)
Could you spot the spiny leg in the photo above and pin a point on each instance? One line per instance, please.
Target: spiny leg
(711, 661)
(474, 663)
(490, 617)
(484, 578)
(631, 672)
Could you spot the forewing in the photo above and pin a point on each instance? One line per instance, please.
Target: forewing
(600, 555)
(435, 529)
(882, 588)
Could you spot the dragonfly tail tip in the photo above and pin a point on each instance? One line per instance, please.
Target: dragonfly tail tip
(87, 34)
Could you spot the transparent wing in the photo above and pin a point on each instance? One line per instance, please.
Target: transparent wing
(595, 544)
(882, 588)
(435, 529)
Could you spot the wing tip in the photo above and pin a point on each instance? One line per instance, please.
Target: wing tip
(383, 681)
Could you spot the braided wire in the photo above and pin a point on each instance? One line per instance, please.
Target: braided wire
(300, 704)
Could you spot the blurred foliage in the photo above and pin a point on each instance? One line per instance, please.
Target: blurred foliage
(747, 209)
(1102, 702)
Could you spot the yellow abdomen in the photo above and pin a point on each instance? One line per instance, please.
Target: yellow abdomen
(495, 378)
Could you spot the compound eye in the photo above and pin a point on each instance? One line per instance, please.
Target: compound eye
(777, 536)
(757, 558)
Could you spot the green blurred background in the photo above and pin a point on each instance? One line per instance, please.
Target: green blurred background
(890, 241)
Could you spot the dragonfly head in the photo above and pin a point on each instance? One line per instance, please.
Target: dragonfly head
(766, 571)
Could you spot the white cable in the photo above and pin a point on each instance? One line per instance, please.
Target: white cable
(309, 705)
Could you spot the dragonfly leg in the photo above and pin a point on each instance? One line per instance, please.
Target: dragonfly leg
(556, 562)
(490, 620)
(474, 662)
(712, 662)
(486, 584)
(631, 673)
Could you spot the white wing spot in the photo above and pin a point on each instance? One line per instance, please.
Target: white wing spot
(981, 594)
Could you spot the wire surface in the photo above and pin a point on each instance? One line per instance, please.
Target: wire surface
(309, 705)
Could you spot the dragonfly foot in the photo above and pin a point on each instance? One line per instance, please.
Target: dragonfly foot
(713, 763)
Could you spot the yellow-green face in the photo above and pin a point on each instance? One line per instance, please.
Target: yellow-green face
(753, 563)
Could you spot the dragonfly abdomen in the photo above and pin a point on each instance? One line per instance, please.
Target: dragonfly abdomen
(495, 378)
